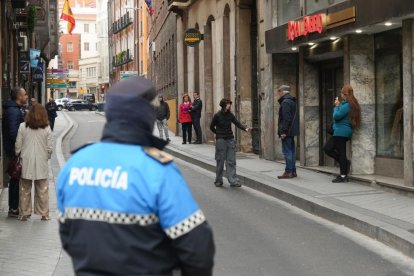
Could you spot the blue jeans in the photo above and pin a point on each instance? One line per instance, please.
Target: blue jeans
(289, 151)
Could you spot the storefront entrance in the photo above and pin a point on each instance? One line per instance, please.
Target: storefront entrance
(331, 81)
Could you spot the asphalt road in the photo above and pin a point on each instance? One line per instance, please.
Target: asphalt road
(258, 235)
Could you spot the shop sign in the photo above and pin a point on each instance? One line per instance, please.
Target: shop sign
(38, 73)
(192, 37)
(305, 26)
(128, 74)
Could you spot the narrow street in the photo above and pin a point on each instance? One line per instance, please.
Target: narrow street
(259, 235)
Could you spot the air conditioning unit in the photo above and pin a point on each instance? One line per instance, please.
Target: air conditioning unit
(23, 44)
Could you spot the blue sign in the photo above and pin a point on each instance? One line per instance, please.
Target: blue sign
(34, 57)
(38, 73)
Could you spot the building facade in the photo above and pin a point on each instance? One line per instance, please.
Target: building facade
(69, 57)
(316, 47)
(141, 38)
(121, 37)
(226, 64)
(103, 47)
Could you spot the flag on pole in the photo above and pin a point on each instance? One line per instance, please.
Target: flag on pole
(67, 15)
(149, 6)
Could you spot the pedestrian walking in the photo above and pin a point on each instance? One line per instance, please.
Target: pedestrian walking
(163, 115)
(124, 207)
(34, 145)
(225, 144)
(185, 119)
(52, 109)
(13, 116)
(196, 109)
(346, 118)
(288, 128)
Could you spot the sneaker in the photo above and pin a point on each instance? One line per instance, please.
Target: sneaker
(184, 143)
(218, 184)
(294, 174)
(340, 179)
(235, 185)
(168, 140)
(286, 175)
(13, 213)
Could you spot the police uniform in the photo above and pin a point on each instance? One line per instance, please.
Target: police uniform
(124, 207)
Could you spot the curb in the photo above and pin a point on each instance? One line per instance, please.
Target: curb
(59, 150)
(383, 232)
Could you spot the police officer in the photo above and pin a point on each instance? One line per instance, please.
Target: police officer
(124, 207)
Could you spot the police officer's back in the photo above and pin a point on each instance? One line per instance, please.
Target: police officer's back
(125, 209)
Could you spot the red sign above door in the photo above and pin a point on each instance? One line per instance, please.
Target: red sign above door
(307, 25)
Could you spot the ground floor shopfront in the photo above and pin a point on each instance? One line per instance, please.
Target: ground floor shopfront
(376, 58)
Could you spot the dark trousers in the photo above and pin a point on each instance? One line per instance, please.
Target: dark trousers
(226, 153)
(336, 148)
(187, 132)
(289, 152)
(197, 129)
(52, 122)
(14, 194)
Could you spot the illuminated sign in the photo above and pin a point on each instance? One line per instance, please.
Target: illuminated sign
(192, 37)
(309, 24)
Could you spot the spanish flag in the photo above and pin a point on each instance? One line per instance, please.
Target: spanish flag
(67, 15)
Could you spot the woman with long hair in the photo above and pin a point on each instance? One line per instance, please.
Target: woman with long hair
(34, 145)
(346, 119)
(184, 117)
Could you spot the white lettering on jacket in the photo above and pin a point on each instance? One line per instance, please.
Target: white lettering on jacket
(105, 178)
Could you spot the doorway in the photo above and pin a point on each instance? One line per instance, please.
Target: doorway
(331, 82)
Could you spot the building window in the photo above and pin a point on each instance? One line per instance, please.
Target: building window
(317, 5)
(288, 10)
(72, 84)
(69, 47)
(86, 28)
(389, 94)
(86, 46)
(70, 64)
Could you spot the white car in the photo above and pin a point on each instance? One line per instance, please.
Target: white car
(61, 103)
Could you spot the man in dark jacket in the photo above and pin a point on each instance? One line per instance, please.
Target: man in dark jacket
(13, 117)
(288, 129)
(225, 144)
(124, 207)
(196, 109)
(52, 109)
(163, 115)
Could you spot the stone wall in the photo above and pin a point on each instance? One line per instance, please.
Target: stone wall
(362, 76)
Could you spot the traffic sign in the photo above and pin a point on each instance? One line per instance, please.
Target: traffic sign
(58, 71)
(57, 81)
(127, 74)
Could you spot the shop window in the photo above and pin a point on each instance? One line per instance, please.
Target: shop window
(288, 10)
(317, 5)
(389, 94)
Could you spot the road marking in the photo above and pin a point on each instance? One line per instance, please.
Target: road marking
(96, 121)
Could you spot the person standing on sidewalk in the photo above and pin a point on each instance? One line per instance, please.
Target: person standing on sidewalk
(34, 144)
(288, 128)
(12, 118)
(185, 120)
(124, 207)
(225, 144)
(52, 109)
(346, 118)
(196, 109)
(163, 115)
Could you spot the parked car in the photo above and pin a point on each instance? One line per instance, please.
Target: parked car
(87, 97)
(61, 103)
(81, 105)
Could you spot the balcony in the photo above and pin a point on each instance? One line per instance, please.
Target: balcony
(122, 58)
(122, 23)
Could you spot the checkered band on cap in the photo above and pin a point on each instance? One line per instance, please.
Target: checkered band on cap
(107, 216)
(186, 225)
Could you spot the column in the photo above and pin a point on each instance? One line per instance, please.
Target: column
(408, 56)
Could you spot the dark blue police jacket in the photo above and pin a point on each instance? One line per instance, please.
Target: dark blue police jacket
(125, 209)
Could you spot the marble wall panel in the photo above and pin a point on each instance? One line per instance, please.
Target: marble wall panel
(312, 148)
(311, 85)
(363, 143)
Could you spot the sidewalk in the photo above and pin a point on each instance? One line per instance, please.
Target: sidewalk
(33, 247)
(382, 215)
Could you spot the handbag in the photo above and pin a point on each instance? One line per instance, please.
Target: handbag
(330, 130)
(15, 168)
